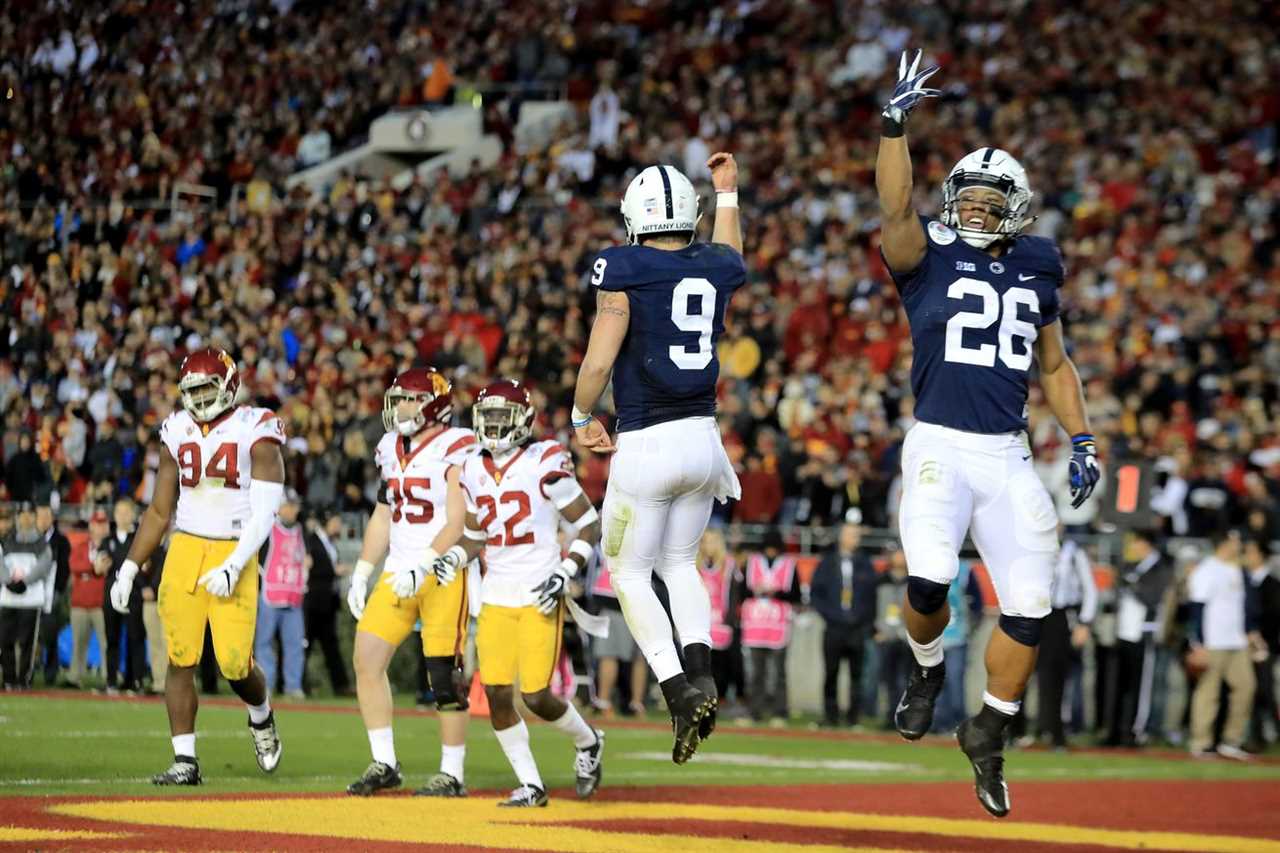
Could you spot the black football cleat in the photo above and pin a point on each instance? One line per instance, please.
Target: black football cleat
(707, 685)
(266, 743)
(914, 714)
(688, 711)
(985, 753)
(441, 785)
(525, 797)
(588, 766)
(183, 771)
(377, 777)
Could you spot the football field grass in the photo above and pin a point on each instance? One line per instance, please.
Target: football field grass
(88, 759)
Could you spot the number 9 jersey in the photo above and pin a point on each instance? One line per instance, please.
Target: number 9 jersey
(667, 368)
(416, 490)
(214, 467)
(974, 322)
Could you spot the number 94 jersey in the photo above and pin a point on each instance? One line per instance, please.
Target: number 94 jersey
(974, 322)
(214, 466)
(416, 488)
(519, 518)
(667, 368)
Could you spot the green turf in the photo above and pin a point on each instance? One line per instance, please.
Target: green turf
(91, 747)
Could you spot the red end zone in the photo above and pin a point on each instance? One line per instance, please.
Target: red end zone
(1049, 816)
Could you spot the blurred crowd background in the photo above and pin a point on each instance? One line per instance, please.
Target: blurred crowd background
(1149, 132)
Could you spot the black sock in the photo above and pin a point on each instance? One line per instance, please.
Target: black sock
(991, 722)
(185, 759)
(697, 660)
(673, 687)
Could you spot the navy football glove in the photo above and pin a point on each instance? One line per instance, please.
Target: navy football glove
(910, 89)
(1083, 471)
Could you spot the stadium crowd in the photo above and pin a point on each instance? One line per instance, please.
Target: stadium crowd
(1162, 192)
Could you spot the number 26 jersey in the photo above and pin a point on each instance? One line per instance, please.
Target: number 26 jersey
(667, 367)
(214, 466)
(974, 322)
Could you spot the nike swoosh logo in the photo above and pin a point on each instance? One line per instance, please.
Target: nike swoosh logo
(1022, 277)
(1025, 458)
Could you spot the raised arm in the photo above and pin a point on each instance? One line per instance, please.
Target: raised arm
(724, 177)
(901, 237)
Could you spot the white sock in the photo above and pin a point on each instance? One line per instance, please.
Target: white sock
(185, 745)
(1006, 708)
(572, 724)
(383, 746)
(452, 759)
(515, 743)
(928, 654)
(258, 713)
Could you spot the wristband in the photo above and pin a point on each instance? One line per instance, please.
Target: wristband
(568, 567)
(457, 554)
(1082, 438)
(890, 128)
(363, 570)
(582, 549)
(579, 418)
(727, 200)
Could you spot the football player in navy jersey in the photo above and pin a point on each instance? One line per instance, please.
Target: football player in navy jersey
(982, 300)
(660, 308)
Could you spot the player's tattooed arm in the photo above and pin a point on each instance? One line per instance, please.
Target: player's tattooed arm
(155, 521)
(613, 318)
(1060, 381)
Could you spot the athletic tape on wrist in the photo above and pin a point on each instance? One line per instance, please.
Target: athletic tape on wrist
(727, 200)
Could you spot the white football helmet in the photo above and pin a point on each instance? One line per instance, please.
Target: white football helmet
(996, 169)
(658, 200)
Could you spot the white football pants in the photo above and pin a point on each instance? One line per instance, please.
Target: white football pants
(955, 482)
(662, 481)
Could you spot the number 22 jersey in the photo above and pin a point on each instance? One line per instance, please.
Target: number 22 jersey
(667, 367)
(214, 466)
(974, 322)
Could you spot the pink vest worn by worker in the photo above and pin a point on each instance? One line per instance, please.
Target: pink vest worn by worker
(718, 583)
(283, 577)
(766, 622)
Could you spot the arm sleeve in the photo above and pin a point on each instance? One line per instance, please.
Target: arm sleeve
(264, 502)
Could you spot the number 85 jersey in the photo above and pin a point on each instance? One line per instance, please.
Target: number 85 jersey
(416, 489)
(974, 322)
(667, 367)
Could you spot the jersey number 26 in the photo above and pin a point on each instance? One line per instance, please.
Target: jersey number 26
(1015, 357)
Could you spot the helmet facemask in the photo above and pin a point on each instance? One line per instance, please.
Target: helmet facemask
(1012, 214)
(393, 420)
(205, 395)
(500, 425)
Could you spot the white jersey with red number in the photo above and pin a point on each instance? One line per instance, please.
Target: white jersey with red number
(416, 489)
(214, 467)
(511, 503)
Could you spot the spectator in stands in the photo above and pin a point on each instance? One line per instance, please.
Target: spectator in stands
(1220, 649)
(892, 652)
(89, 565)
(1141, 593)
(26, 473)
(843, 592)
(56, 606)
(130, 624)
(26, 572)
(284, 581)
(1264, 724)
(773, 592)
(321, 604)
(761, 493)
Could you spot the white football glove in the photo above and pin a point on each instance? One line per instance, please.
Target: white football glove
(122, 589)
(222, 580)
(405, 583)
(551, 590)
(359, 589)
(445, 567)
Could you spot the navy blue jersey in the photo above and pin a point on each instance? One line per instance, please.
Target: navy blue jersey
(974, 321)
(667, 367)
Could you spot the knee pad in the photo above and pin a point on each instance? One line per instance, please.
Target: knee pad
(1024, 629)
(926, 596)
(447, 683)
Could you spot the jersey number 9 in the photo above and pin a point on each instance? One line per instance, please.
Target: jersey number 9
(700, 322)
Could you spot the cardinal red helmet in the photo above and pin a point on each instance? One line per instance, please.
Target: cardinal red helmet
(208, 382)
(425, 386)
(502, 416)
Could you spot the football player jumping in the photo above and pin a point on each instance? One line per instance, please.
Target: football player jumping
(660, 311)
(419, 515)
(983, 302)
(518, 492)
(224, 471)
